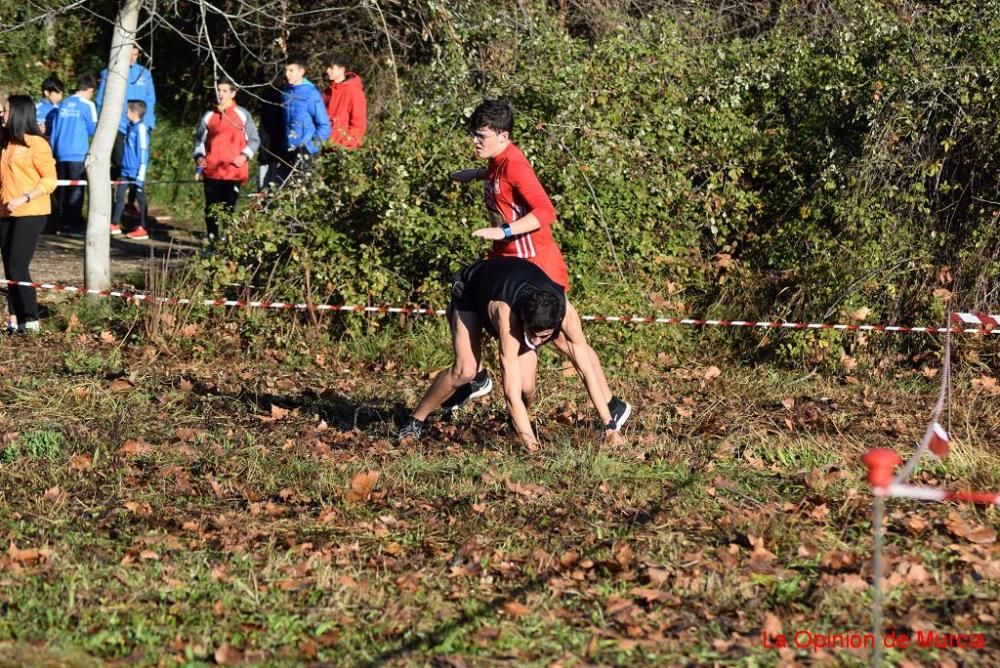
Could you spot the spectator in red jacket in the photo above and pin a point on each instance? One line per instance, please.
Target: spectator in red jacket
(225, 141)
(345, 103)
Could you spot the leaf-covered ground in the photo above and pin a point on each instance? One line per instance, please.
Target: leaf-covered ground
(193, 505)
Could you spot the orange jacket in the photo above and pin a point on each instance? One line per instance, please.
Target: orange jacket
(24, 168)
(348, 111)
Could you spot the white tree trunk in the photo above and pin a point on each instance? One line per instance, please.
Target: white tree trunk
(97, 257)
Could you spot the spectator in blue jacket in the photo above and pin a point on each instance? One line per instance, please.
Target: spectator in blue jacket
(139, 87)
(307, 125)
(73, 125)
(52, 95)
(135, 161)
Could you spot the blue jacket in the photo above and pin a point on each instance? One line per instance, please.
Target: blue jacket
(71, 128)
(135, 157)
(140, 87)
(42, 109)
(306, 121)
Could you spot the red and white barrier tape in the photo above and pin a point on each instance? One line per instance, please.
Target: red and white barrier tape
(933, 494)
(881, 463)
(407, 310)
(83, 182)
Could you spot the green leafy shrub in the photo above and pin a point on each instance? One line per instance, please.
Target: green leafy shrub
(803, 170)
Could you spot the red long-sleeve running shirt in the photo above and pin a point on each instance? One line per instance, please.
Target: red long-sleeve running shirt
(512, 191)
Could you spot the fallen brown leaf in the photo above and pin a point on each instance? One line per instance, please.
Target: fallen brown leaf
(121, 385)
(227, 655)
(528, 489)
(515, 609)
(134, 447)
(772, 625)
(81, 462)
(142, 509)
(960, 527)
(362, 485)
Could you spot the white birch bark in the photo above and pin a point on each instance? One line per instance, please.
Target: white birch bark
(97, 256)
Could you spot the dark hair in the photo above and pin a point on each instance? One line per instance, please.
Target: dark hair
(296, 59)
(540, 310)
(226, 81)
(21, 120)
(338, 58)
(137, 107)
(497, 115)
(52, 84)
(85, 82)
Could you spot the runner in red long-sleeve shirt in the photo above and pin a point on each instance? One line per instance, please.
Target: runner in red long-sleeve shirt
(521, 214)
(518, 207)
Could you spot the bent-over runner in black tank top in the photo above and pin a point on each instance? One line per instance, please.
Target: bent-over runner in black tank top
(505, 279)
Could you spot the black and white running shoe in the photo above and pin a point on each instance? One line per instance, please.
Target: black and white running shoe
(411, 430)
(480, 386)
(620, 413)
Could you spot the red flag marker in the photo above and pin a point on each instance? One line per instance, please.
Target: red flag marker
(939, 441)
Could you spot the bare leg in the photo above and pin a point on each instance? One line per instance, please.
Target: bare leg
(466, 340)
(602, 381)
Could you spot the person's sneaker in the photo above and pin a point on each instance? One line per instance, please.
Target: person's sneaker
(480, 386)
(620, 413)
(138, 234)
(411, 430)
(115, 230)
(31, 327)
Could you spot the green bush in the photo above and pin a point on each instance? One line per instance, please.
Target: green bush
(171, 148)
(814, 166)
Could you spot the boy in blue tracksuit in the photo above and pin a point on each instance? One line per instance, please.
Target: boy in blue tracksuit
(307, 125)
(52, 95)
(135, 160)
(73, 124)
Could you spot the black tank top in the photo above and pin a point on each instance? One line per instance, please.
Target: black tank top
(509, 280)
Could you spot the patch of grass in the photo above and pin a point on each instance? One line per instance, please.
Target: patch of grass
(92, 362)
(171, 519)
(32, 445)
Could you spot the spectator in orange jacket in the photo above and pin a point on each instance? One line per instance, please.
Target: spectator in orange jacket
(345, 103)
(27, 178)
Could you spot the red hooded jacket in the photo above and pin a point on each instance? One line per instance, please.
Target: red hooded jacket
(348, 110)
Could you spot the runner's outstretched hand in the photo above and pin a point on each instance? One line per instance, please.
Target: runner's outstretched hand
(613, 437)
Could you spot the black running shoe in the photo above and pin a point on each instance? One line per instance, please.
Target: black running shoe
(480, 386)
(620, 413)
(412, 429)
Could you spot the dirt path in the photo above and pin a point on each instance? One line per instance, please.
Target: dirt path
(59, 259)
